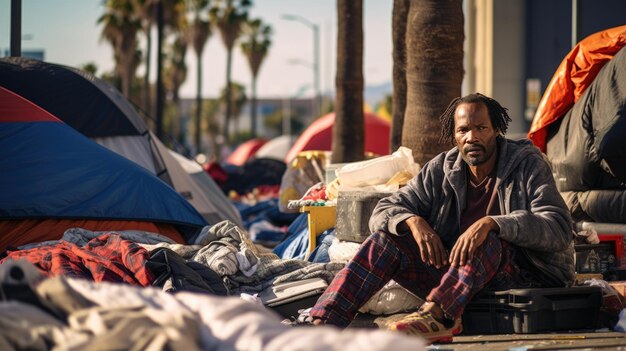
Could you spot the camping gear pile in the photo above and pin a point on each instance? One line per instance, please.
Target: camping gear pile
(65, 313)
(90, 197)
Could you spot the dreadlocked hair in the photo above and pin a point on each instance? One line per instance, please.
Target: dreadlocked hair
(499, 116)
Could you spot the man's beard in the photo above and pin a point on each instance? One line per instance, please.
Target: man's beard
(475, 161)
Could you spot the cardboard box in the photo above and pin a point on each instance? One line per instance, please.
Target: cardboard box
(582, 277)
(620, 287)
(354, 209)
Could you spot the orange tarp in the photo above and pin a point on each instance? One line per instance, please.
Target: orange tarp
(17, 232)
(575, 73)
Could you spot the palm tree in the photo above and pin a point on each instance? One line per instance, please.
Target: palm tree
(398, 106)
(210, 123)
(434, 72)
(348, 130)
(89, 67)
(199, 33)
(175, 73)
(170, 18)
(255, 46)
(146, 12)
(237, 97)
(120, 29)
(228, 16)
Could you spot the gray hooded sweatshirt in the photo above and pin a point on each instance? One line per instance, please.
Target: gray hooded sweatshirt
(533, 217)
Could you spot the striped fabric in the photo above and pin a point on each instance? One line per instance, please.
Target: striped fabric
(383, 257)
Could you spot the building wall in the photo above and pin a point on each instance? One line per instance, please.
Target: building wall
(513, 47)
(508, 60)
(549, 31)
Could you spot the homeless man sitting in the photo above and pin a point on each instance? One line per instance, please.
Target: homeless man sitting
(484, 215)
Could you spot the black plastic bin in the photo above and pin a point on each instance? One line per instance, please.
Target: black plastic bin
(525, 311)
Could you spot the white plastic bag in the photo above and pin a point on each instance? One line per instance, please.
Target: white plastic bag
(379, 170)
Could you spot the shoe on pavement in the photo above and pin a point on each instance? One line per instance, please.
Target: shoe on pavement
(425, 325)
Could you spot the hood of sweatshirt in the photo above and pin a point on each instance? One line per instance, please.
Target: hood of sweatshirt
(510, 153)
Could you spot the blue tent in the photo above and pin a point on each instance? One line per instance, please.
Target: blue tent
(97, 110)
(49, 170)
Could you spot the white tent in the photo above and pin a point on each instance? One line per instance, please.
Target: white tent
(186, 176)
(205, 187)
(276, 148)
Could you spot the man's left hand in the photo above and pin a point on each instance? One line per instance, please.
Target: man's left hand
(465, 247)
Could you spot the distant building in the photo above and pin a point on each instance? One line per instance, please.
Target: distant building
(37, 54)
(267, 109)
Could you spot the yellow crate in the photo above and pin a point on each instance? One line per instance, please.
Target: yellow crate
(320, 218)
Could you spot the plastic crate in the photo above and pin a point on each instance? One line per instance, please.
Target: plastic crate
(524, 311)
(354, 209)
(617, 240)
(320, 219)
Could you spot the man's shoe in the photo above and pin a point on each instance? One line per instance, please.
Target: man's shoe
(425, 325)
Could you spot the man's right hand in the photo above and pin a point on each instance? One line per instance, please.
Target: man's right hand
(431, 248)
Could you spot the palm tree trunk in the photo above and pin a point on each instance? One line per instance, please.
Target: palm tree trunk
(159, 82)
(176, 125)
(181, 131)
(253, 115)
(236, 127)
(398, 105)
(197, 134)
(126, 76)
(146, 79)
(434, 47)
(229, 107)
(348, 130)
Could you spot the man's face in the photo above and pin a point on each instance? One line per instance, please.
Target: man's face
(474, 134)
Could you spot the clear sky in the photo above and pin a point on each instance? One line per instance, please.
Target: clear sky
(68, 32)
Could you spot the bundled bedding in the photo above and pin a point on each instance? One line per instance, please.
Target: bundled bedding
(76, 314)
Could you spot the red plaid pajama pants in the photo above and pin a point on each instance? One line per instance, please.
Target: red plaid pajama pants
(383, 257)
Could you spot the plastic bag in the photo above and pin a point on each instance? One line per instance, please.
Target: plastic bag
(621, 322)
(379, 170)
(306, 170)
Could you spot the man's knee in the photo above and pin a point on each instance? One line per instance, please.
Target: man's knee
(492, 245)
(493, 238)
(379, 238)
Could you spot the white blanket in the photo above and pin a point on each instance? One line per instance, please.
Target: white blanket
(108, 316)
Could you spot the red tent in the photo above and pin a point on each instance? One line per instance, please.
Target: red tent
(245, 151)
(319, 136)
